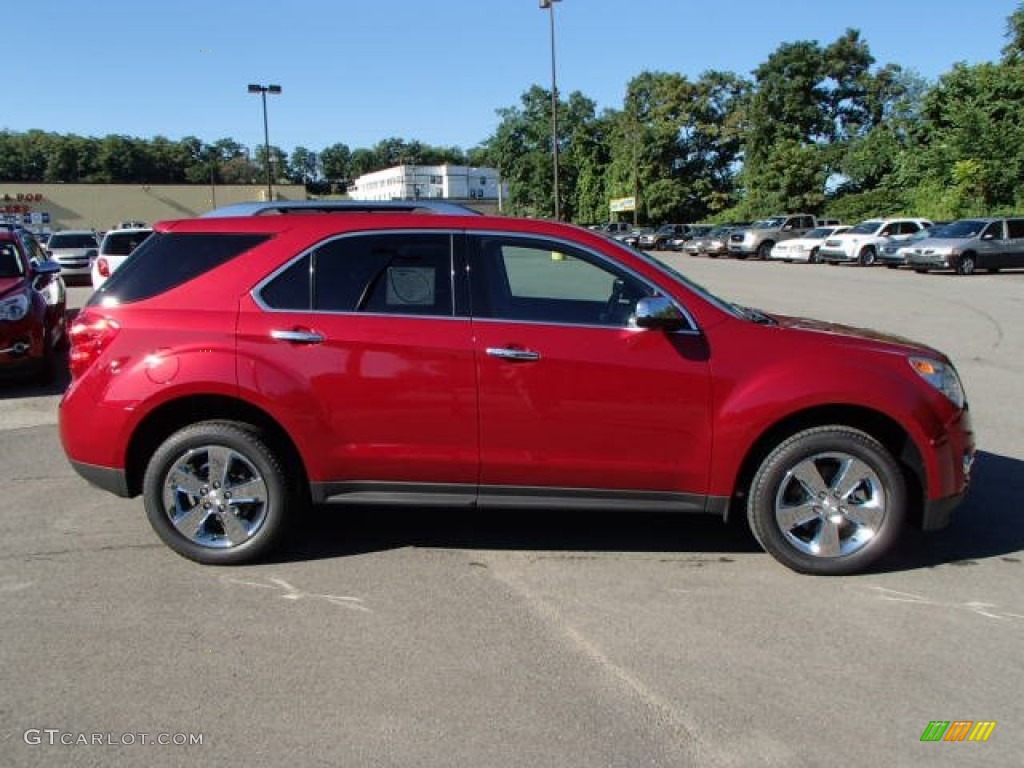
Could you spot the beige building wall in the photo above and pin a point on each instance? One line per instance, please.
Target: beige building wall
(103, 206)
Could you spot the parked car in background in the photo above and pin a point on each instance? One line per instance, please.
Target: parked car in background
(861, 244)
(450, 359)
(632, 237)
(968, 245)
(759, 239)
(893, 253)
(659, 238)
(805, 248)
(714, 243)
(32, 306)
(74, 250)
(695, 230)
(116, 246)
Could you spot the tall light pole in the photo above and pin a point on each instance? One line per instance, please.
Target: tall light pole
(550, 5)
(263, 90)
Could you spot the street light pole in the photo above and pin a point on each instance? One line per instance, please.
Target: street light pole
(263, 90)
(550, 5)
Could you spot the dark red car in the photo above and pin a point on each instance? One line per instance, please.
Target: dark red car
(32, 305)
(235, 369)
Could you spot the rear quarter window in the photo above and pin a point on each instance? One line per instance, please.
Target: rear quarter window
(165, 261)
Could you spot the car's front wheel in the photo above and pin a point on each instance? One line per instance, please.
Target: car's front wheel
(966, 264)
(216, 493)
(868, 256)
(828, 501)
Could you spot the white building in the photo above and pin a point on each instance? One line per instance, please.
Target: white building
(410, 182)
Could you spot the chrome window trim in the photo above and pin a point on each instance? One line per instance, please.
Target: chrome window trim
(693, 330)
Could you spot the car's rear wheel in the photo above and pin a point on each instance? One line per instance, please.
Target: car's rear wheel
(868, 256)
(216, 493)
(814, 258)
(764, 250)
(828, 501)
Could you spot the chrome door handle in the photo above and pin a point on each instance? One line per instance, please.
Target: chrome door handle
(297, 337)
(509, 353)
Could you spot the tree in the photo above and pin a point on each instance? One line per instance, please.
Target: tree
(335, 162)
(1013, 52)
(521, 151)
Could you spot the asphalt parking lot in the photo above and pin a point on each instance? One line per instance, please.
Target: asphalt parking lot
(398, 638)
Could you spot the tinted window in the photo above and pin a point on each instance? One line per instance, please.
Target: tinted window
(1015, 228)
(532, 280)
(165, 261)
(69, 240)
(291, 289)
(122, 243)
(406, 273)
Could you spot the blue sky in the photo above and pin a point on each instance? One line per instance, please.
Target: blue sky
(358, 71)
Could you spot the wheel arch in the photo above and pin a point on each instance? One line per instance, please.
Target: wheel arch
(171, 416)
(878, 425)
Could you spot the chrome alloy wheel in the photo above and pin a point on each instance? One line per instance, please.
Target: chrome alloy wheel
(830, 505)
(215, 497)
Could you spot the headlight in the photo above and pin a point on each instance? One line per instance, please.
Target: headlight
(14, 308)
(942, 376)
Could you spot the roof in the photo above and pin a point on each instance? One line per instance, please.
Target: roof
(280, 207)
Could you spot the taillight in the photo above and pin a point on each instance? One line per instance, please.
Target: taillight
(90, 335)
(103, 267)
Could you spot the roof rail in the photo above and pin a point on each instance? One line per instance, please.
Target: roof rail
(282, 207)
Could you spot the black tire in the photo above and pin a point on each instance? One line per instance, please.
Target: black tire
(868, 256)
(814, 258)
(258, 520)
(921, 271)
(764, 250)
(847, 524)
(966, 264)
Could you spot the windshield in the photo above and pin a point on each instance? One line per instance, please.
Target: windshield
(733, 309)
(773, 223)
(868, 227)
(958, 230)
(820, 233)
(923, 234)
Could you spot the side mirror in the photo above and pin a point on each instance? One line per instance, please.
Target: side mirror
(44, 273)
(988, 236)
(657, 313)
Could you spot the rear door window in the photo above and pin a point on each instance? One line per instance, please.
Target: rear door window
(401, 273)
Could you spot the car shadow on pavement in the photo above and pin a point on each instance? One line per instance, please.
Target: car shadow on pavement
(989, 523)
(336, 531)
(17, 388)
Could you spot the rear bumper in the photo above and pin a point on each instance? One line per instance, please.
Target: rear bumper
(107, 478)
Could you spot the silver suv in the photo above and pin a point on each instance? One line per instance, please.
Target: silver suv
(74, 250)
(759, 239)
(971, 244)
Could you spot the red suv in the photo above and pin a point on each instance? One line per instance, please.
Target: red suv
(238, 368)
(32, 303)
